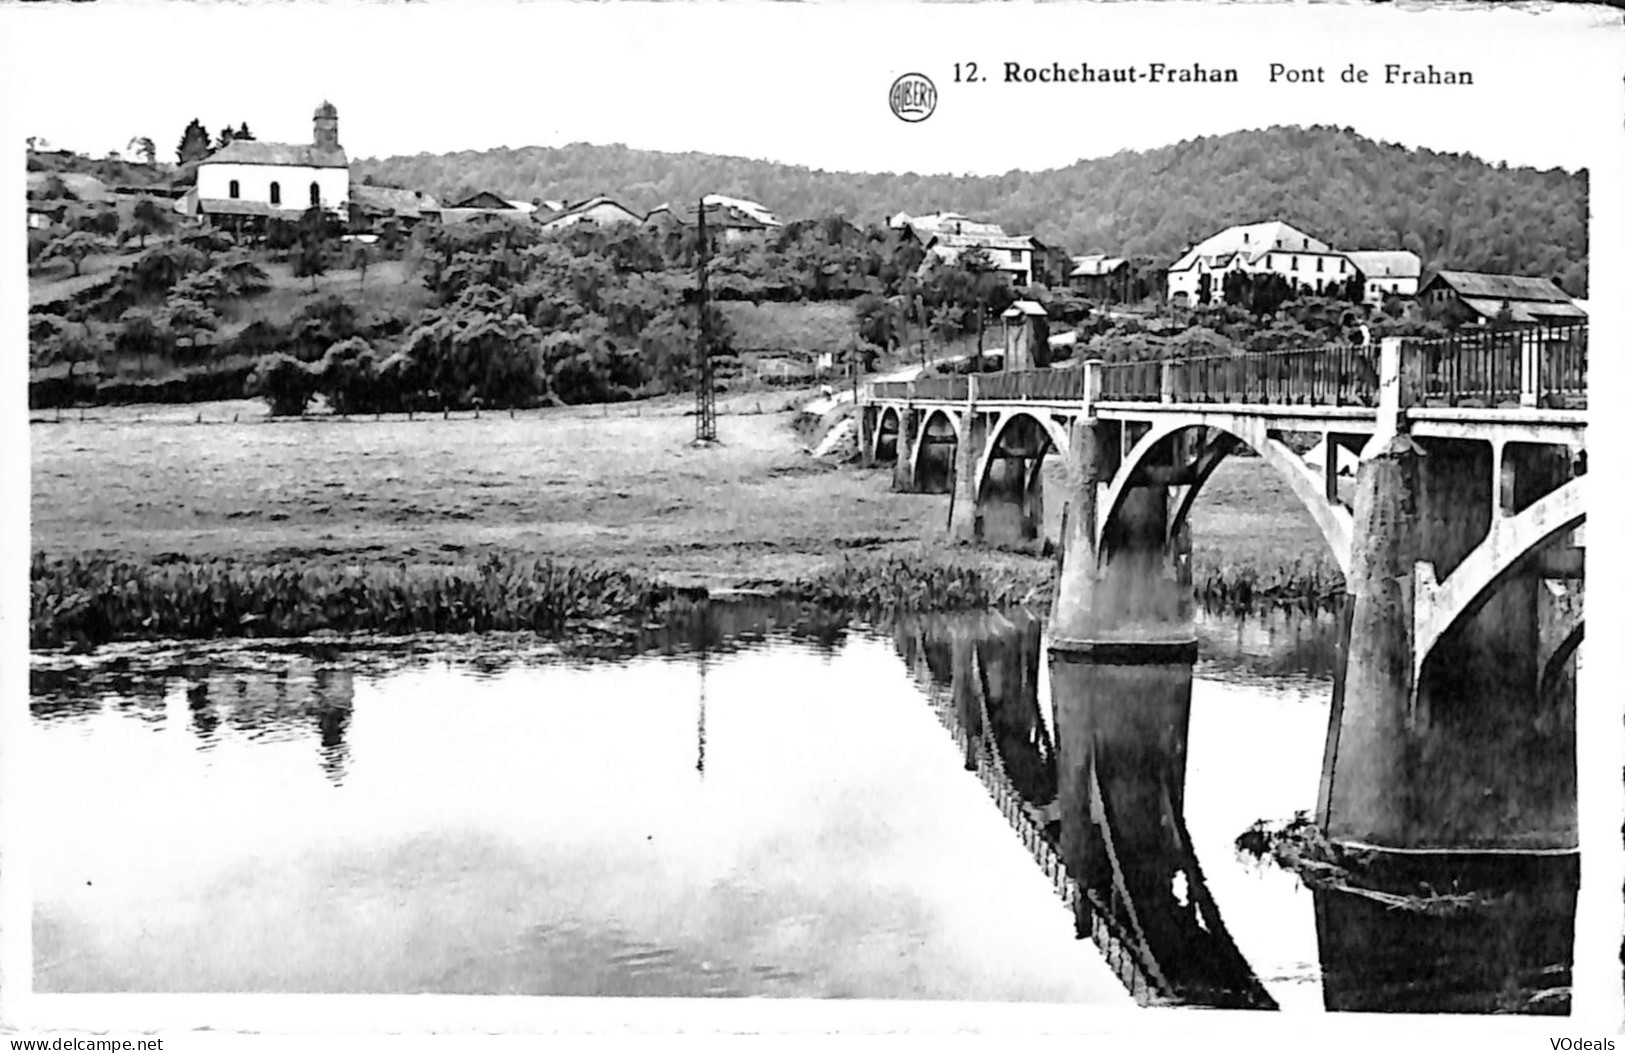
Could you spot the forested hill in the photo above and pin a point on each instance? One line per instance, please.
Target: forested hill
(1453, 210)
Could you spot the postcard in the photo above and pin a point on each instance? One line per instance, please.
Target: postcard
(833, 518)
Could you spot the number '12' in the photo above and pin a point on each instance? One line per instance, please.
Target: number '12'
(965, 72)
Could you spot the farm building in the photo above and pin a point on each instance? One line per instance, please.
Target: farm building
(598, 211)
(1471, 297)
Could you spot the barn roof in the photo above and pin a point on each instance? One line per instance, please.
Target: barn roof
(254, 152)
(1471, 284)
(1526, 310)
(402, 202)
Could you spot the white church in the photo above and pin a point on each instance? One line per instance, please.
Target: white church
(249, 179)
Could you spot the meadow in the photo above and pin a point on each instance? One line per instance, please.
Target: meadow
(616, 489)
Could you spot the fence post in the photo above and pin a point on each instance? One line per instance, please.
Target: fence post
(1390, 399)
(970, 390)
(1093, 375)
(1167, 380)
(1529, 389)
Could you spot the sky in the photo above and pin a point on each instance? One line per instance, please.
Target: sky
(799, 83)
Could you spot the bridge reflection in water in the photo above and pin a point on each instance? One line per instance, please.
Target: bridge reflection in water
(1097, 794)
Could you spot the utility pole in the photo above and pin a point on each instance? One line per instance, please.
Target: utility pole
(705, 399)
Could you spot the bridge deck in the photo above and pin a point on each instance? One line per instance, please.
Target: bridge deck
(1530, 383)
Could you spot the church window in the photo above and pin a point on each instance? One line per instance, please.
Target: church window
(235, 191)
(276, 193)
(315, 194)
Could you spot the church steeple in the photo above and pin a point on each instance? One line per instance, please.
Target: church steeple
(327, 126)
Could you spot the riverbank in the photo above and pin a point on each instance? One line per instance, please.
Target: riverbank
(355, 515)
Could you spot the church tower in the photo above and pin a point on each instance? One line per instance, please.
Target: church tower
(327, 126)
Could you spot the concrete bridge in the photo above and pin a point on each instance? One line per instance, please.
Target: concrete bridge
(1462, 545)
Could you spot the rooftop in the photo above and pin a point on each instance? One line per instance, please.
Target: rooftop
(1387, 264)
(1471, 284)
(254, 152)
(1252, 240)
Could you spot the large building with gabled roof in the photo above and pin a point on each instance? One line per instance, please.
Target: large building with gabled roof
(248, 178)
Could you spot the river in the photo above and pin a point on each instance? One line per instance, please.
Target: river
(753, 802)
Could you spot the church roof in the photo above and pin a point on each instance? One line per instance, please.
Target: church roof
(254, 152)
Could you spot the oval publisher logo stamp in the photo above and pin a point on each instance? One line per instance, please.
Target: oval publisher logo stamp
(913, 97)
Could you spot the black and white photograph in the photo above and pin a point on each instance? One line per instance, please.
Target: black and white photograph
(710, 517)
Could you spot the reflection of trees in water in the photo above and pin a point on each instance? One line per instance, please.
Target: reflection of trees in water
(205, 721)
(334, 703)
(723, 628)
(1279, 642)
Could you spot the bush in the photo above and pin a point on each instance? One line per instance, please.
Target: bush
(286, 383)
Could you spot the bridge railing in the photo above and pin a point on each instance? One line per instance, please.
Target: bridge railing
(1529, 367)
(1055, 384)
(1334, 375)
(1538, 366)
(954, 389)
(889, 389)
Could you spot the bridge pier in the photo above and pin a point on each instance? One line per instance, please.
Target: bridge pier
(1127, 586)
(908, 438)
(1464, 754)
(1007, 507)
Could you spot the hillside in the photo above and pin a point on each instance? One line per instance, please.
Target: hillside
(1453, 210)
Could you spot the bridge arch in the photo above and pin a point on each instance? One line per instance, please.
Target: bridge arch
(1512, 541)
(1335, 522)
(1048, 426)
(917, 455)
(887, 413)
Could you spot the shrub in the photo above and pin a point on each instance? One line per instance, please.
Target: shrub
(286, 383)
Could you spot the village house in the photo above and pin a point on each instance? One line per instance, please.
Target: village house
(1312, 266)
(598, 211)
(731, 219)
(248, 181)
(1010, 256)
(1464, 296)
(1387, 273)
(1101, 277)
(487, 205)
(372, 205)
(1257, 248)
(947, 236)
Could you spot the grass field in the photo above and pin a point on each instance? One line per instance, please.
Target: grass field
(620, 486)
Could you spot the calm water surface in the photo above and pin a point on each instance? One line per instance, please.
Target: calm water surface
(751, 806)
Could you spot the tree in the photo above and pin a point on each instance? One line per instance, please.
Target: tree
(142, 146)
(310, 256)
(244, 133)
(75, 248)
(348, 376)
(1204, 289)
(56, 340)
(285, 383)
(149, 217)
(194, 144)
(141, 331)
(227, 134)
